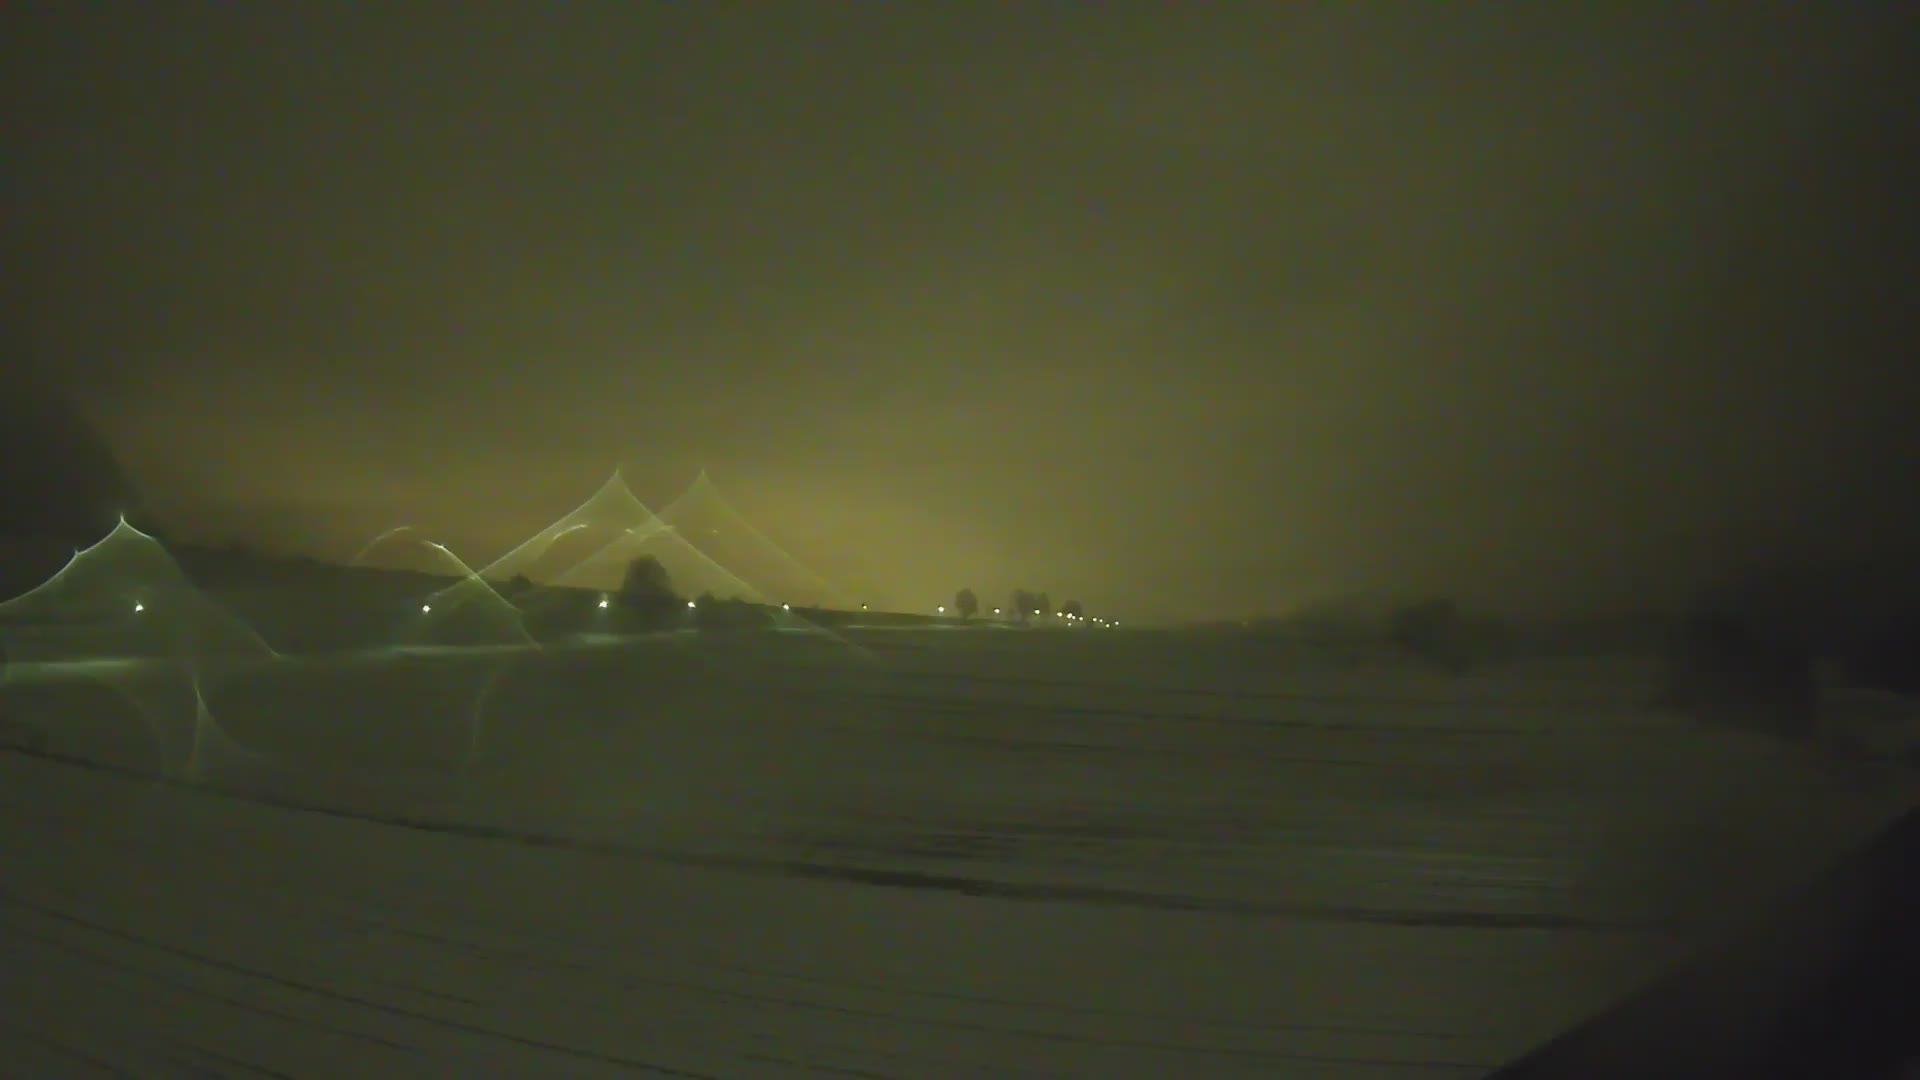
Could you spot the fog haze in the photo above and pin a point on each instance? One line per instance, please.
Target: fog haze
(1188, 314)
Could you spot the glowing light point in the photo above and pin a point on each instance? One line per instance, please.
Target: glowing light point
(689, 603)
(996, 611)
(426, 608)
(603, 601)
(941, 610)
(139, 607)
(786, 607)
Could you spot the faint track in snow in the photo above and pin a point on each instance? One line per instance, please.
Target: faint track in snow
(19, 1038)
(928, 705)
(521, 959)
(194, 956)
(976, 886)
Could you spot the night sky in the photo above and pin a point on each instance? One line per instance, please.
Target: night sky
(1178, 310)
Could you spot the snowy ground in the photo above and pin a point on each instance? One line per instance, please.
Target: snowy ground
(939, 855)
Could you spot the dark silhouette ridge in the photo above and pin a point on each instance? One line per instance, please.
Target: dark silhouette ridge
(61, 488)
(59, 481)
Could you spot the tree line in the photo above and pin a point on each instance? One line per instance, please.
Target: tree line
(1024, 605)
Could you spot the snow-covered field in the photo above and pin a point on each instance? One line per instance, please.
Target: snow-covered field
(925, 855)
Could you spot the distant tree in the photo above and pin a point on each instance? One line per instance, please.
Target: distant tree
(1733, 663)
(1025, 603)
(1433, 631)
(646, 592)
(646, 578)
(1074, 608)
(519, 583)
(1881, 651)
(714, 614)
(967, 604)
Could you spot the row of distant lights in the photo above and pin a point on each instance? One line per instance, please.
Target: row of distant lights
(1094, 619)
(428, 608)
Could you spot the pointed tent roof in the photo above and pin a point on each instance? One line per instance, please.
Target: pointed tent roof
(703, 486)
(612, 506)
